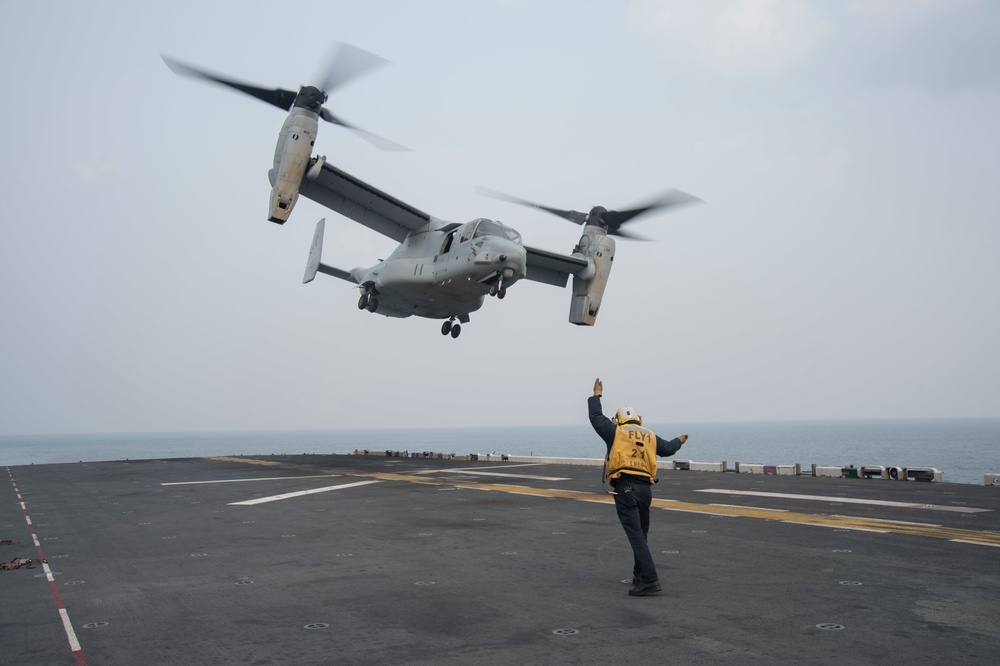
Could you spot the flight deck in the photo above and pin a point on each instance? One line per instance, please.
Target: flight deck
(324, 559)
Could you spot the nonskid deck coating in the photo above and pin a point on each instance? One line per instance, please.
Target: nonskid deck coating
(350, 559)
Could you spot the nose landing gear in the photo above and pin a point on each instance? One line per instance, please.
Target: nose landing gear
(498, 288)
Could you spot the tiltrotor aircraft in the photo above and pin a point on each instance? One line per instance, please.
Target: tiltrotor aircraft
(440, 270)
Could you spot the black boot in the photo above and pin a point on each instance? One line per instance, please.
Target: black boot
(644, 589)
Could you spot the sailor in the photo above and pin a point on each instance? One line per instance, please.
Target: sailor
(630, 467)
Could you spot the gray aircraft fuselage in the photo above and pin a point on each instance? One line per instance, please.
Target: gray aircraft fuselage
(444, 273)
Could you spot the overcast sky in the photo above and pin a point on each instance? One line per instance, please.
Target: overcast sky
(845, 264)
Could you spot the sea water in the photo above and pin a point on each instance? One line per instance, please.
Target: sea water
(963, 449)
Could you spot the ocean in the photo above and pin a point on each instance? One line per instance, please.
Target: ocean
(963, 449)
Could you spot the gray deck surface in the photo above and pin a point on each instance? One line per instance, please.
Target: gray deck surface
(431, 561)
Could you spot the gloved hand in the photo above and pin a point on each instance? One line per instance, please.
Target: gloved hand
(598, 387)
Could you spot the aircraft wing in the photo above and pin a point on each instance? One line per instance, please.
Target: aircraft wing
(551, 267)
(341, 192)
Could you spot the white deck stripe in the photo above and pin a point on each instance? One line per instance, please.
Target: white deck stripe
(74, 644)
(978, 543)
(275, 498)
(742, 506)
(845, 500)
(839, 527)
(265, 478)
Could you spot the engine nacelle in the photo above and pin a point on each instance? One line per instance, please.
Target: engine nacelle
(588, 287)
(291, 157)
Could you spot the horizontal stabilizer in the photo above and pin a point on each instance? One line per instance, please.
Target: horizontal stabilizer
(336, 272)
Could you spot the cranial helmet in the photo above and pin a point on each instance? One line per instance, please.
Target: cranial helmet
(626, 414)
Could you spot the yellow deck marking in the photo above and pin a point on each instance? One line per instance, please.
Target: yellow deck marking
(956, 534)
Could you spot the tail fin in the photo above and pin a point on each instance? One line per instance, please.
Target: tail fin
(315, 253)
(315, 265)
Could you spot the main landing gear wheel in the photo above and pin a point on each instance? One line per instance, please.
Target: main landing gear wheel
(451, 327)
(368, 302)
(363, 302)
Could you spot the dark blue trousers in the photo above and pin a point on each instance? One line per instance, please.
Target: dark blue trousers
(632, 503)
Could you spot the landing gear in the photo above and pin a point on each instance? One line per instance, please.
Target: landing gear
(451, 327)
(498, 288)
(368, 302)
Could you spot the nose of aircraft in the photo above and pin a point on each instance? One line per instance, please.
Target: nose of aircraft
(515, 260)
(503, 253)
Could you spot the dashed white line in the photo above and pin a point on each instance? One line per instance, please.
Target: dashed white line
(71, 638)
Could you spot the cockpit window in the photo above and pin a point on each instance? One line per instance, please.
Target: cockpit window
(466, 231)
(483, 227)
(489, 228)
(512, 235)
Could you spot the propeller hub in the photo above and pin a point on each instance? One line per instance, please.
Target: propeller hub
(596, 217)
(310, 97)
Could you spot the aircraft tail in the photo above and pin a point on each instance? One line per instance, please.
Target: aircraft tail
(315, 265)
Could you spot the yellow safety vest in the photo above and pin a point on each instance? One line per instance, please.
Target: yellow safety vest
(632, 452)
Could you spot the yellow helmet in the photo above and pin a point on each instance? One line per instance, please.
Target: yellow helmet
(626, 414)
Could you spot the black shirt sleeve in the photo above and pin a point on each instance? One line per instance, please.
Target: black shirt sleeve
(665, 448)
(603, 426)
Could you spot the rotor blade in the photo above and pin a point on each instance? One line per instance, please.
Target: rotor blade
(627, 234)
(346, 63)
(374, 139)
(669, 199)
(328, 116)
(276, 96)
(573, 216)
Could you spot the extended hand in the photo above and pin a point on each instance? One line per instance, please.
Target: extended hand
(683, 438)
(598, 387)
